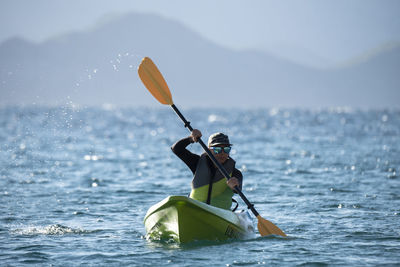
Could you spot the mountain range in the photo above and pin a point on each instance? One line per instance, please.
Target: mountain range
(99, 66)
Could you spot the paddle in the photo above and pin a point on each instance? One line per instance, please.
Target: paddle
(155, 83)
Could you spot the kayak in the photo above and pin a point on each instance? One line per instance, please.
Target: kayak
(183, 219)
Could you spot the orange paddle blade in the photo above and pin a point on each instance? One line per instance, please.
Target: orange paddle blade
(154, 81)
(266, 227)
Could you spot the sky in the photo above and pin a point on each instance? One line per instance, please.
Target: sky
(313, 32)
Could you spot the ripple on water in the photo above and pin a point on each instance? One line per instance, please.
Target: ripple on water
(328, 178)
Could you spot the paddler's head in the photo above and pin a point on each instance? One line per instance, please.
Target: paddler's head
(220, 147)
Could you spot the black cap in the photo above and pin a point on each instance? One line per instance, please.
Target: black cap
(218, 139)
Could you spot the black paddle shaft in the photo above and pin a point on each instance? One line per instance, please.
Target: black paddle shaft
(220, 167)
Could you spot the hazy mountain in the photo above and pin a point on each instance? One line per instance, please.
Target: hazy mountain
(100, 66)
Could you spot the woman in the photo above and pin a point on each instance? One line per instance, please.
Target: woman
(209, 185)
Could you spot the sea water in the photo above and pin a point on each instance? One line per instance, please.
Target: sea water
(76, 182)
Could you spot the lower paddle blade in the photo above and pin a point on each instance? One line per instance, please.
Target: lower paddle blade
(154, 81)
(266, 227)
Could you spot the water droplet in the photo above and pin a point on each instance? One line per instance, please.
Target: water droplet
(273, 112)
(243, 168)
(143, 164)
(212, 118)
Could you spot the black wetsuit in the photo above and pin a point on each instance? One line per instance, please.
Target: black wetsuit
(191, 160)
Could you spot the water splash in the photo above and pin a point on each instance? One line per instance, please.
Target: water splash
(53, 229)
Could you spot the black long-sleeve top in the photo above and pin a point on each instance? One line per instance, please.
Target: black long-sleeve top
(191, 159)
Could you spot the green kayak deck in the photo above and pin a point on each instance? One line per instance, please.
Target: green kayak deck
(184, 219)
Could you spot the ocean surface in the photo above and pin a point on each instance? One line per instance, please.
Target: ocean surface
(75, 185)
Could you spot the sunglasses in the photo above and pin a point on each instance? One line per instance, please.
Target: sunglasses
(218, 149)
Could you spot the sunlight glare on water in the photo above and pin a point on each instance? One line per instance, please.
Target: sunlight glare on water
(75, 184)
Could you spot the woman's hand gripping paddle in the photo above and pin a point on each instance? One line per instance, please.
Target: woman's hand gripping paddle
(155, 83)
